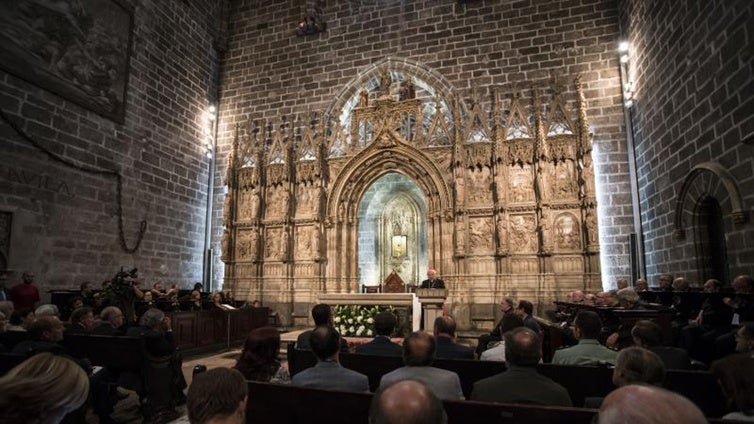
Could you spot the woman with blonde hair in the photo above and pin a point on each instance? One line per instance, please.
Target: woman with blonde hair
(42, 390)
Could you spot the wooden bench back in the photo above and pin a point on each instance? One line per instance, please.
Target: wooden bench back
(580, 381)
(300, 405)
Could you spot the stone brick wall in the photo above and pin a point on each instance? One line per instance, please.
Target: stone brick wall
(693, 69)
(269, 71)
(65, 225)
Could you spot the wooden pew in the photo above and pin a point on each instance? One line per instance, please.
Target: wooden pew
(580, 381)
(299, 405)
(149, 376)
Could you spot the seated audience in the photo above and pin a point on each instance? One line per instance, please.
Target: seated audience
(497, 352)
(7, 308)
(588, 351)
(406, 402)
(217, 396)
(44, 336)
(735, 374)
(82, 321)
(21, 320)
(322, 315)
(622, 283)
(642, 404)
(47, 310)
(42, 389)
(745, 338)
(328, 373)
(418, 352)
(521, 383)
(648, 335)
(640, 285)
(742, 305)
(445, 333)
(525, 309)
(486, 341)
(621, 335)
(712, 321)
(86, 293)
(157, 332)
(636, 365)
(3, 325)
(112, 321)
(384, 324)
(259, 357)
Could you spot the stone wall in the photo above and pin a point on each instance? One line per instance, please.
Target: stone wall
(65, 220)
(502, 46)
(693, 69)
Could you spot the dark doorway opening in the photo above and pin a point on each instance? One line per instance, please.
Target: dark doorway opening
(710, 235)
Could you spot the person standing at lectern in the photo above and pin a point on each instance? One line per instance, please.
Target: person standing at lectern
(432, 282)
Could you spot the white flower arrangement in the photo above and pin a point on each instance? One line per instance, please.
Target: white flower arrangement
(355, 320)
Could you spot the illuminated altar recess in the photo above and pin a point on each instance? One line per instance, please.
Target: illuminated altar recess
(494, 190)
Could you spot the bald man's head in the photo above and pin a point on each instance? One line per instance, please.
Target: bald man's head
(406, 402)
(637, 404)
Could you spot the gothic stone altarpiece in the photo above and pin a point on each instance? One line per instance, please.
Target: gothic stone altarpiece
(509, 188)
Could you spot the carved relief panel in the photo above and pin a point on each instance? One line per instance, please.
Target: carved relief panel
(480, 235)
(562, 181)
(520, 184)
(246, 245)
(523, 233)
(248, 204)
(567, 232)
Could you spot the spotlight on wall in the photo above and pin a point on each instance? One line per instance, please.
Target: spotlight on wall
(626, 82)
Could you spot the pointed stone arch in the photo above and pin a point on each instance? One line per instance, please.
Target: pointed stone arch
(713, 180)
(443, 88)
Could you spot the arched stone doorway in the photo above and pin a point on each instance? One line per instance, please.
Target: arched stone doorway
(392, 230)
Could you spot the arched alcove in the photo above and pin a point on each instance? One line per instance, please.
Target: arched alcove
(392, 233)
(709, 234)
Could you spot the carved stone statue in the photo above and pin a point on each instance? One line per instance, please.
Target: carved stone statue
(315, 245)
(225, 245)
(363, 98)
(284, 245)
(460, 236)
(591, 226)
(502, 234)
(228, 209)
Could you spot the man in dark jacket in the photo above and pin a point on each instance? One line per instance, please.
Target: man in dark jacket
(384, 324)
(445, 332)
(521, 383)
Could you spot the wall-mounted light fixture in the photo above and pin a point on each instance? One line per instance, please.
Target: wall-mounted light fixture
(625, 76)
(209, 131)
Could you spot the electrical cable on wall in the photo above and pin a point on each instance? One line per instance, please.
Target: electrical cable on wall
(88, 170)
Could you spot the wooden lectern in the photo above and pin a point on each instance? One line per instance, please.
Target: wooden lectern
(432, 301)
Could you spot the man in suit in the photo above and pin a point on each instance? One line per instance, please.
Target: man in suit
(384, 324)
(432, 282)
(445, 332)
(328, 373)
(486, 341)
(634, 365)
(406, 402)
(588, 351)
(525, 309)
(112, 322)
(418, 351)
(82, 321)
(521, 383)
(322, 315)
(648, 335)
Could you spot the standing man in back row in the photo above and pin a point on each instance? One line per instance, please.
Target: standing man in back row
(432, 282)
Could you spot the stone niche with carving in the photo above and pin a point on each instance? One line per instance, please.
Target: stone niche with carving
(501, 198)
